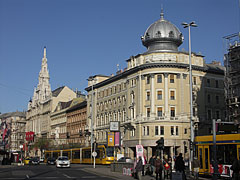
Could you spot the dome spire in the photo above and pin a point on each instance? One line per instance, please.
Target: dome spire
(161, 14)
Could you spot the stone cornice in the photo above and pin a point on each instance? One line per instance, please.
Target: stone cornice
(206, 69)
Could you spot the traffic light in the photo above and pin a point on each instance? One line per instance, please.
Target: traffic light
(160, 143)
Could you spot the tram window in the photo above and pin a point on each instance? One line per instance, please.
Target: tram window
(224, 153)
(76, 155)
(87, 154)
(238, 153)
(65, 153)
(201, 157)
(206, 158)
(110, 151)
(55, 154)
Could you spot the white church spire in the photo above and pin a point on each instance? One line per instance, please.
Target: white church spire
(43, 90)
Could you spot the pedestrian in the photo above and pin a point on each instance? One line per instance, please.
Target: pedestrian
(139, 168)
(180, 165)
(143, 166)
(236, 168)
(152, 164)
(159, 168)
(196, 166)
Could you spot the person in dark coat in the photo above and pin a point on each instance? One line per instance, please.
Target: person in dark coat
(159, 168)
(152, 164)
(180, 165)
(139, 167)
(236, 168)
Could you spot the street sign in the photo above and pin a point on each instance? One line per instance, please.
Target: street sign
(94, 154)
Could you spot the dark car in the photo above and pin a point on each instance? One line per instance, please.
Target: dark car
(35, 160)
(51, 160)
(125, 159)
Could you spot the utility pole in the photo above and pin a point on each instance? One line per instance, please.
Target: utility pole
(189, 25)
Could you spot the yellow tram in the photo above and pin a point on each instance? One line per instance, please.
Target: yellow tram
(105, 155)
(228, 147)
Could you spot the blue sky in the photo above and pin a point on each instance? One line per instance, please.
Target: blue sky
(88, 37)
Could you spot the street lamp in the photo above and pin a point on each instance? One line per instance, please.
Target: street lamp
(186, 25)
(91, 79)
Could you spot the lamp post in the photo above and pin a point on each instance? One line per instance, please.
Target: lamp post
(91, 79)
(189, 25)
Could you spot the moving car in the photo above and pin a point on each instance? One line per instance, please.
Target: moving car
(51, 160)
(62, 161)
(35, 160)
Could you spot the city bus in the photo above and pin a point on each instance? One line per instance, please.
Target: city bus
(228, 148)
(105, 155)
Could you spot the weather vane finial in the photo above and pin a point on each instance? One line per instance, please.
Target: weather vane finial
(162, 14)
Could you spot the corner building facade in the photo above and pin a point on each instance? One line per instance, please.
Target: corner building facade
(151, 97)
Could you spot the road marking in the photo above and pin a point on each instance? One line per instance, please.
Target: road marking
(67, 176)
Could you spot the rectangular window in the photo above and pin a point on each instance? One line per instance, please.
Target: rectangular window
(208, 82)
(194, 80)
(217, 85)
(185, 131)
(217, 115)
(217, 99)
(159, 79)
(176, 130)
(148, 96)
(159, 95)
(146, 130)
(208, 98)
(171, 78)
(159, 111)
(148, 112)
(148, 79)
(172, 111)
(172, 130)
(172, 95)
(209, 115)
(156, 131)
(162, 130)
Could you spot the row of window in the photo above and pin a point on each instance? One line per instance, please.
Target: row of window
(160, 95)
(159, 131)
(105, 119)
(210, 83)
(209, 99)
(111, 103)
(112, 90)
(160, 112)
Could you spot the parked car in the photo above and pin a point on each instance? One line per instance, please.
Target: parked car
(125, 159)
(51, 160)
(35, 160)
(41, 159)
(62, 161)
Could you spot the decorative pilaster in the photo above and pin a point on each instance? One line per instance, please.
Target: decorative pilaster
(166, 94)
(152, 96)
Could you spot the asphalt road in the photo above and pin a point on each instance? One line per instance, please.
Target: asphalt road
(43, 172)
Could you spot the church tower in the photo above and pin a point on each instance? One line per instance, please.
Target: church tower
(43, 90)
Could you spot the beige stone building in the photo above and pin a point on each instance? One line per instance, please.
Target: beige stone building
(151, 99)
(45, 102)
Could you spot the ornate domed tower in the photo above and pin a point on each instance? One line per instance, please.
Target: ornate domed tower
(162, 36)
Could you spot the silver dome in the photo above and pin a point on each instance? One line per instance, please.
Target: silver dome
(162, 36)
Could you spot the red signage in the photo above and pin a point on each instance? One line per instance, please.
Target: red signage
(30, 136)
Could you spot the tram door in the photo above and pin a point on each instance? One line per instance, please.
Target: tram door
(203, 156)
(238, 152)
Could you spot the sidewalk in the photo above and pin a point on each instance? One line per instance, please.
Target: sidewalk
(105, 171)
